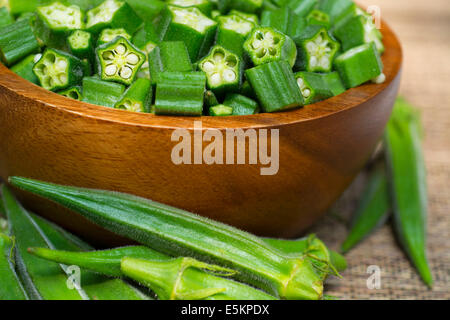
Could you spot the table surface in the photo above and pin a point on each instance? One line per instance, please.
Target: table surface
(424, 31)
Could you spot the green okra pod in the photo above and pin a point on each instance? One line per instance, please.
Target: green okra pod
(137, 98)
(232, 31)
(81, 45)
(177, 232)
(220, 111)
(407, 182)
(241, 105)
(5, 17)
(108, 35)
(72, 93)
(275, 86)
(319, 86)
(337, 10)
(253, 18)
(102, 93)
(317, 17)
(277, 19)
(373, 209)
(205, 6)
(24, 68)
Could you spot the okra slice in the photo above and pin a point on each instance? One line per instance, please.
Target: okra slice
(17, 41)
(278, 19)
(232, 31)
(58, 70)
(220, 111)
(317, 17)
(147, 10)
(359, 65)
(72, 93)
(205, 6)
(137, 98)
(189, 25)
(55, 22)
(266, 45)
(337, 10)
(319, 86)
(209, 100)
(316, 49)
(24, 68)
(146, 38)
(119, 61)
(108, 35)
(180, 93)
(113, 14)
(275, 86)
(81, 45)
(102, 93)
(302, 7)
(253, 18)
(249, 6)
(223, 70)
(241, 105)
(169, 56)
(5, 17)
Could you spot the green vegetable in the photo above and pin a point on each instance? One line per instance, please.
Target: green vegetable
(205, 6)
(41, 279)
(359, 65)
(189, 25)
(232, 31)
(266, 45)
(241, 104)
(5, 17)
(302, 7)
(275, 86)
(337, 9)
(17, 41)
(279, 19)
(180, 93)
(407, 181)
(147, 10)
(220, 111)
(316, 49)
(11, 287)
(249, 6)
(102, 93)
(24, 69)
(58, 70)
(373, 209)
(81, 45)
(146, 38)
(113, 14)
(253, 18)
(119, 61)
(137, 98)
(317, 17)
(223, 70)
(177, 232)
(55, 22)
(319, 86)
(168, 56)
(73, 93)
(108, 35)
(189, 279)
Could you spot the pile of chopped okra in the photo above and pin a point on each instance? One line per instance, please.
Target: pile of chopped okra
(192, 57)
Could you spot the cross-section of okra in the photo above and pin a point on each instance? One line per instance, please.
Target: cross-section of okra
(204, 6)
(316, 49)
(55, 21)
(266, 45)
(119, 61)
(57, 70)
(72, 93)
(223, 70)
(232, 32)
(137, 98)
(81, 44)
(249, 6)
(113, 14)
(319, 18)
(189, 25)
(108, 35)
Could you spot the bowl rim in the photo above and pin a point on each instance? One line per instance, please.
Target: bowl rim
(392, 60)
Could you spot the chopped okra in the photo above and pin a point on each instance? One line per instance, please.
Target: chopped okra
(102, 93)
(253, 18)
(108, 35)
(119, 61)
(204, 6)
(220, 111)
(5, 17)
(319, 86)
(316, 49)
(81, 44)
(232, 32)
(222, 69)
(24, 69)
(241, 105)
(249, 6)
(266, 44)
(58, 70)
(319, 18)
(137, 98)
(72, 93)
(302, 7)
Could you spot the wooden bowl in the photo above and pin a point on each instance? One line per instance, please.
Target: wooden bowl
(322, 147)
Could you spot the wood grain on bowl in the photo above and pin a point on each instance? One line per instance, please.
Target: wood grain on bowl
(322, 148)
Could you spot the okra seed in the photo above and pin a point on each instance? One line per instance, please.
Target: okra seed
(126, 72)
(300, 82)
(132, 58)
(229, 75)
(313, 61)
(111, 70)
(216, 79)
(208, 66)
(256, 44)
(121, 49)
(306, 93)
(218, 56)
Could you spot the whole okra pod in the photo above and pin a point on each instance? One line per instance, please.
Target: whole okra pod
(179, 233)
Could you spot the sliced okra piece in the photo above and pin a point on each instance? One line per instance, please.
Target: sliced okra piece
(108, 35)
(269, 5)
(189, 25)
(5, 17)
(317, 17)
(17, 41)
(296, 25)
(278, 19)
(210, 100)
(215, 14)
(137, 98)
(147, 10)
(220, 111)
(247, 90)
(146, 38)
(275, 86)
(205, 6)
(180, 93)
(319, 86)
(356, 31)
(24, 68)
(302, 7)
(249, 6)
(337, 10)
(169, 56)
(266, 45)
(253, 18)
(81, 45)
(102, 93)
(232, 31)
(113, 14)
(223, 70)
(119, 61)
(241, 105)
(359, 65)
(316, 49)
(58, 70)
(74, 93)
(55, 22)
